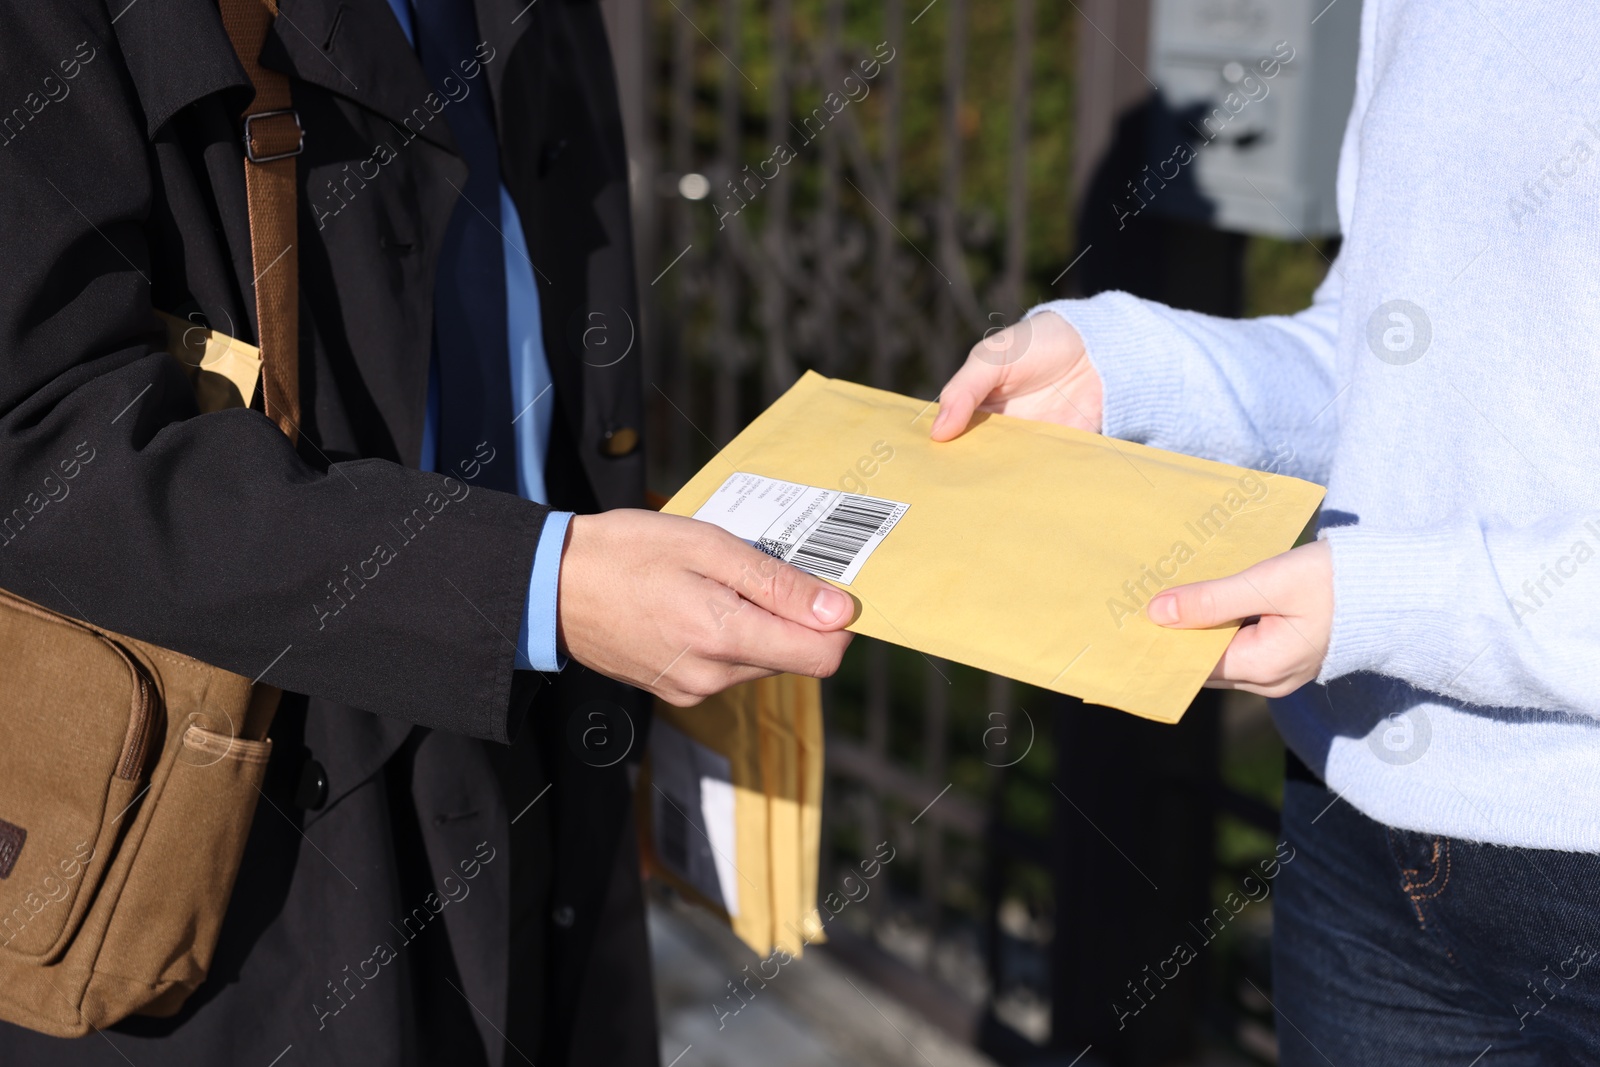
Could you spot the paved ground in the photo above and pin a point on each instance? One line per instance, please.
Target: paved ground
(813, 1014)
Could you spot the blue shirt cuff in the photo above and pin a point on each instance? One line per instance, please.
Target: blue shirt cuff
(536, 641)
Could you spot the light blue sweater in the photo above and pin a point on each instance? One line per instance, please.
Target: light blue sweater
(1460, 441)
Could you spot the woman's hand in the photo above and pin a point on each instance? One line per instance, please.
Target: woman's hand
(1034, 369)
(1038, 369)
(1292, 595)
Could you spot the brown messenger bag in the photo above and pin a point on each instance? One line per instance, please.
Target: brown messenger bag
(129, 773)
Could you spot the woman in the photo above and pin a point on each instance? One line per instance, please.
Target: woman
(1436, 648)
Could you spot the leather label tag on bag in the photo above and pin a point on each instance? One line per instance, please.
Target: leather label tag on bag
(11, 839)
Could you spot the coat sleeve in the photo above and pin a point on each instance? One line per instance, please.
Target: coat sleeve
(366, 583)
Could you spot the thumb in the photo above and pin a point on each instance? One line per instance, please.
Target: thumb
(961, 395)
(785, 590)
(1213, 603)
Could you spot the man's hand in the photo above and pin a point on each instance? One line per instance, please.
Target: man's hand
(685, 610)
(1293, 596)
(1034, 369)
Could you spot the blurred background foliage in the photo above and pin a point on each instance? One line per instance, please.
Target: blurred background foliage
(1280, 275)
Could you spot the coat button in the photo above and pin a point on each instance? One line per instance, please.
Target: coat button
(564, 916)
(311, 792)
(619, 442)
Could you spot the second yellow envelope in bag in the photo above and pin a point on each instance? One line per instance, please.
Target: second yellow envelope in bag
(1020, 548)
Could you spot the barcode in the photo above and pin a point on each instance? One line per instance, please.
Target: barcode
(673, 825)
(833, 545)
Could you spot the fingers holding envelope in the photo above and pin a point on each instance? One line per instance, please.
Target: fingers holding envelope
(1290, 596)
(685, 610)
(1034, 369)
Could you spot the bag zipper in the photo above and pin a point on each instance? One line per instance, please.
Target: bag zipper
(141, 711)
(136, 746)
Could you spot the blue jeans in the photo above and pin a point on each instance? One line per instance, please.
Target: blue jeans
(1400, 948)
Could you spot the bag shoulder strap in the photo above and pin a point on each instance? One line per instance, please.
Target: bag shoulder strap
(273, 138)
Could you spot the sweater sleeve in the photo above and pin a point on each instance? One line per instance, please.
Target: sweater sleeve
(1256, 392)
(1491, 614)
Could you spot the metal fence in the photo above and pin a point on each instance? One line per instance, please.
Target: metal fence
(864, 190)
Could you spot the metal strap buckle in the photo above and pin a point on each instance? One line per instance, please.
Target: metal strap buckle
(249, 149)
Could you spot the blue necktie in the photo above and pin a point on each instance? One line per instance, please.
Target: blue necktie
(469, 305)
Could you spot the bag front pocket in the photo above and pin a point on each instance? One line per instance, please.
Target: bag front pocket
(78, 715)
(163, 931)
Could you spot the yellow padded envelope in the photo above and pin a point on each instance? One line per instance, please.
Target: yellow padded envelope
(1023, 548)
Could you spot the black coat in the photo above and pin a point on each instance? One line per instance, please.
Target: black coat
(122, 191)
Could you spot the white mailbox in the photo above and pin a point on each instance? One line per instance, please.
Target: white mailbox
(1253, 99)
